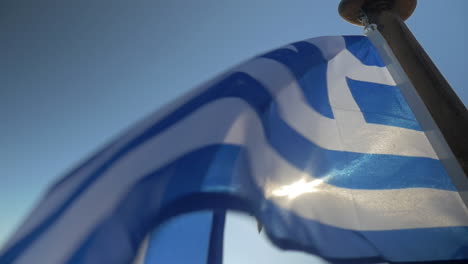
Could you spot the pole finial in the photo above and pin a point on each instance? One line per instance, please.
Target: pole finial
(353, 10)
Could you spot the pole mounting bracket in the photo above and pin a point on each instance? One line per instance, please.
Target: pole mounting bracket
(352, 10)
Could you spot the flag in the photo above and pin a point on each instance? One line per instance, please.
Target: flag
(315, 139)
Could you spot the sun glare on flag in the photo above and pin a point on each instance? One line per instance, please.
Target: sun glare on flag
(297, 188)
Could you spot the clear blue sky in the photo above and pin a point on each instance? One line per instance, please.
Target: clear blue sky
(73, 74)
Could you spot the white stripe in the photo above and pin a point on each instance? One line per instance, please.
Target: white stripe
(291, 47)
(142, 250)
(377, 210)
(364, 137)
(224, 121)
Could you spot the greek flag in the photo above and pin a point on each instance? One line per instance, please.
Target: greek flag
(315, 139)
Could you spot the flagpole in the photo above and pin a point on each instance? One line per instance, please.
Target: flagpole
(446, 109)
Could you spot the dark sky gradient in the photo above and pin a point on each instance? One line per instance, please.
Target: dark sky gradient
(74, 74)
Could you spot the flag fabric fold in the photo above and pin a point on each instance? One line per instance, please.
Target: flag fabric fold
(314, 139)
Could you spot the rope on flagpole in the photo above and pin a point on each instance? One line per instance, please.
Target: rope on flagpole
(364, 19)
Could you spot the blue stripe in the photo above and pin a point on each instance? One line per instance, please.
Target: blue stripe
(362, 49)
(117, 238)
(354, 170)
(340, 165)
(382, 104)
(309, 67)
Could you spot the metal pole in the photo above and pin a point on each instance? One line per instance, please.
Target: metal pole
(446, 109)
